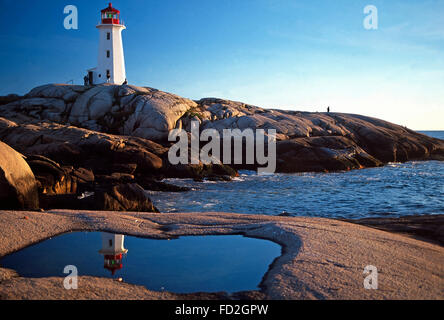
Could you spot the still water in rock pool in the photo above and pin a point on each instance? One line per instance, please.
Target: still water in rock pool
(394, 190)
(188, 264)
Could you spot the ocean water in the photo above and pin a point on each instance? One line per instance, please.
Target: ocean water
(188, 264)
(434, 134)
(394, 190)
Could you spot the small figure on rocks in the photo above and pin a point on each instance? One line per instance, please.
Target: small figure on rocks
(85, 80)
(328, 109)
(125, 82)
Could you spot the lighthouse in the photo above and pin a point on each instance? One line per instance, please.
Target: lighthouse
(112, 250)
(111, 62)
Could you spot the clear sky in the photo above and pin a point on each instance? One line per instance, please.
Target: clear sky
(300, 55)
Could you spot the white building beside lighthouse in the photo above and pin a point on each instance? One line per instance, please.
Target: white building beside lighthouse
(111, 62)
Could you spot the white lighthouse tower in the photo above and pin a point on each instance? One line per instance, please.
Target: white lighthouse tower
(111, 62)
(112, 250)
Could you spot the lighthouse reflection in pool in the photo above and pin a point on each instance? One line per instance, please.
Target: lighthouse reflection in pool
(188, 264)
(113, 250)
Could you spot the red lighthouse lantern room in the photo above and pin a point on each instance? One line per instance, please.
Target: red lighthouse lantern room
(113, 263)
(110, 15)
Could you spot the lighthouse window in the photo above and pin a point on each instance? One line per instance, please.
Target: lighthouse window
(110, 242)
(107, 53)
(108, 36)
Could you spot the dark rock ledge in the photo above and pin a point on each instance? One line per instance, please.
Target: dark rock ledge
(428, 228)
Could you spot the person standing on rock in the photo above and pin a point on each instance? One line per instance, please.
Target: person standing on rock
(85, 80)
(328, 109)
(125, 82)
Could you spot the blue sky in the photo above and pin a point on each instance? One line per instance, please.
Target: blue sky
(300, 55)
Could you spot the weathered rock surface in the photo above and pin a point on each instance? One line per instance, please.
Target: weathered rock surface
(124, 197)
(72, 146)
(125, 110)
(322, 259)
(309, 141)
(18, 186)
(120, 118)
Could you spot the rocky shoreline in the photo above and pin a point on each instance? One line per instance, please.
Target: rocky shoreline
(99, 147)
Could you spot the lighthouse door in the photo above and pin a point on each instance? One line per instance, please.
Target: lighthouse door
(90, 76)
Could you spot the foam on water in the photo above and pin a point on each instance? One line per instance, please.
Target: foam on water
(393, 190)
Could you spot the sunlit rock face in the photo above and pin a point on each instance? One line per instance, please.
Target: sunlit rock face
(314, 141)
(18, 186)
(116, 115)
(126, 110)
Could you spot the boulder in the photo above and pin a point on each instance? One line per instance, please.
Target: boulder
(156, 185)
(67, 92)
(92, 105)
(123, 197)
(83, 175)
(322, 154)
(77, 147)
(116, 177)
(55, 179)
(18, 186)
(107, 197)
(127, 110)
(199, 171)
(52, 177)
(154, 114)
